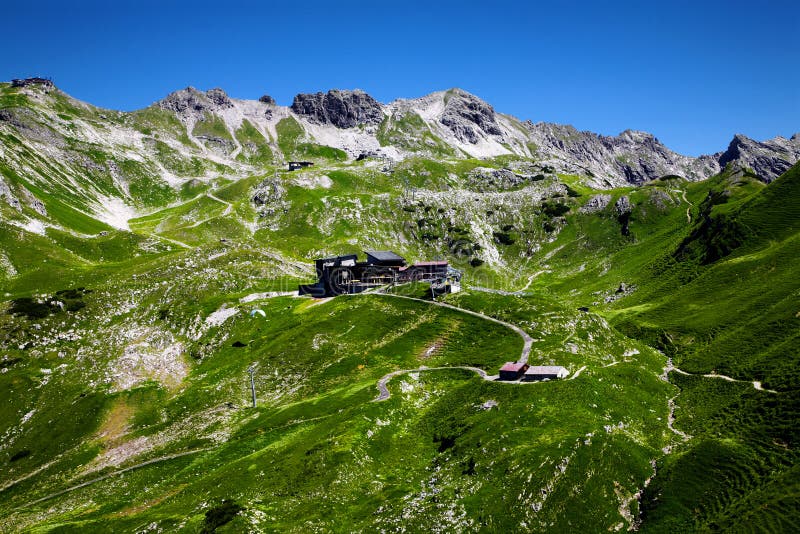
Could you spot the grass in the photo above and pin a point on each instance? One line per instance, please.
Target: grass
(291, 142)
(410, 132)
(255, 148)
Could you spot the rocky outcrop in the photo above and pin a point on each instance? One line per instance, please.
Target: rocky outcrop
(488, 179)
(623, 206)
(34, 203)
(624, 209)
(343, 109)
(268, 100)
(465, 115)
(191, 101)
(219, 99)
(27, 123)
(768, 159)
(596, 203)
(7, 195)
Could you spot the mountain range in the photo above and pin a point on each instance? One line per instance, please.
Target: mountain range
(199, 131)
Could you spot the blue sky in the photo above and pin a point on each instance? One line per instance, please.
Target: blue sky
(692, 73)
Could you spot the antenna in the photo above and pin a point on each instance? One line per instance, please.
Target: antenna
(252, 370)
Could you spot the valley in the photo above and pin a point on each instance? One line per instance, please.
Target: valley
(134, 248)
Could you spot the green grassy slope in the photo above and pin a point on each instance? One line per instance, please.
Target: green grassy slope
(719, 295)
(315, 427)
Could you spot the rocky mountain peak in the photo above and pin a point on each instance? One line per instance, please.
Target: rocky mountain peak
(768, 159)
(191, 100)
(638, 136)
(465, 115)
(267, 99)
(343, 109)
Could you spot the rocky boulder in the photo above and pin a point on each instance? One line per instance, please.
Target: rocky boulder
(7, 195)
(466, 115)
(623, 206)
(343, 109)
(596, 203)
(268, 100)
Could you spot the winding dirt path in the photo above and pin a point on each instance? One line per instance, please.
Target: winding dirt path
(173, 241)
(527, 340)
(228, 205)
(756, 384)
(523, 357)
(689, 209)
(384, 390)
(115, 473)
(576, 373)
(517, 293)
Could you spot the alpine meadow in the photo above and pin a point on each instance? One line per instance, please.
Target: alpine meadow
(161, 370)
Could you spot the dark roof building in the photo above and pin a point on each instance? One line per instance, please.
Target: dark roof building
(340, 275)
(294, 165)
(385, 258)
(512, 370)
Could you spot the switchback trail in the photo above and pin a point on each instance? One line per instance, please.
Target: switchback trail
(689, 209)
(228, 205)
(384, 381)
(523, 358)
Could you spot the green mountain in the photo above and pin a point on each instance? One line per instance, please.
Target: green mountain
(135, 248)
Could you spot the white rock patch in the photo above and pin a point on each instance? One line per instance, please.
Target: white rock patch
(115, 213)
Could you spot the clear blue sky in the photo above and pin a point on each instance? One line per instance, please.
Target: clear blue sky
(692, 73)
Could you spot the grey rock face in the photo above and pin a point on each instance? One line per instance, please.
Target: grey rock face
(343, 109)
(623, 205)
(266, 99)
(269, 198)
(34, 203)
(7, 195)
(217, 144)
(464, 114)
(769, 159)
(219, 99)
(660, 199)
(27, 124)
(486, 179)
(632, 157)
(192, 101)
(596, 203)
